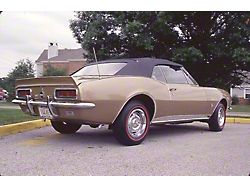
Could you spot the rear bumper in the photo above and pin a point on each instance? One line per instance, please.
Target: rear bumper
(29, 103)
(56, 104)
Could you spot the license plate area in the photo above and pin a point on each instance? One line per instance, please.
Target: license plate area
(45, 113)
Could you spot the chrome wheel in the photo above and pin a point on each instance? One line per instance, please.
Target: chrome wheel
(221, 117)
(132, 124)
(137, 123)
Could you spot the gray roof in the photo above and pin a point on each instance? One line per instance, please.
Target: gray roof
(142, 66)
(138, 66)
(63, 55)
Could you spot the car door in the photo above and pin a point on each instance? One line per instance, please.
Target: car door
(163, 95)
(188, 100)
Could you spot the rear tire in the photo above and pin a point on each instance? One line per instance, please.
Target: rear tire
(132, 124)
(65, 128)
(217, 120)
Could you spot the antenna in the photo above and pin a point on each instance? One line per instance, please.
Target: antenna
(94, 54)
(97, 63)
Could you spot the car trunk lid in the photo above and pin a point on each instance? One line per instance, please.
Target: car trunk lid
(45, 86)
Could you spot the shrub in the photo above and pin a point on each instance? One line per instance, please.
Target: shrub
(235, 100)
(52, 71)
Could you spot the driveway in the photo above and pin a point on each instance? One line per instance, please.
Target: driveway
(188, 149)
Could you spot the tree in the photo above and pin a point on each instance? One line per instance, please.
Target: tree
(3, 82)
(213, 46)
(216, 43)
(51, 71)
(23, 69)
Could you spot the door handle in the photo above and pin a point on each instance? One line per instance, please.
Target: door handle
(172, 89)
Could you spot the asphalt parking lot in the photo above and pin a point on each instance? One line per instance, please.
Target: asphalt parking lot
(188, 149)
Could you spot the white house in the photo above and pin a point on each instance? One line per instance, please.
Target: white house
(242, 91)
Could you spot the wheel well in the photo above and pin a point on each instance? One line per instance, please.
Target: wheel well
(147, 101)
(224, 102)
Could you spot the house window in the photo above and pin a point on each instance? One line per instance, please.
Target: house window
(247, 93)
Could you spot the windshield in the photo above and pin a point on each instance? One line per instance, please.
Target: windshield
(104, 69)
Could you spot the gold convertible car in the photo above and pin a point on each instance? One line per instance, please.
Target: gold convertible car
(129, 95)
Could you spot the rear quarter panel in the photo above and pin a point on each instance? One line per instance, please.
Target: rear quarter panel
(111, 94)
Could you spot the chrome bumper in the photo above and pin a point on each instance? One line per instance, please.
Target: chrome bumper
(50, 104)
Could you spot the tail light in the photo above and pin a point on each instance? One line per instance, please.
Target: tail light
(22, 93)
(65, 93)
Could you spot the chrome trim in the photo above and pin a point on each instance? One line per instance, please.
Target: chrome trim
(187, 74)
(137, 123)
(20, 102)
(179, 118)
(23, 102)
(65, 98)
(25, 89)
(50, 107)
(29, 106)
(221, 117)
(56, 104)
(73, 105)
(50, 104)
(47, 85)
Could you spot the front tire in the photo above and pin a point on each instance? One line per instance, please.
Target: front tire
(65, 127)
(217, 120)
(132, 124)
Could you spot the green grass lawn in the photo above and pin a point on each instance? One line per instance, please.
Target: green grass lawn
(240, 108)
(5, 103)
(8, 116)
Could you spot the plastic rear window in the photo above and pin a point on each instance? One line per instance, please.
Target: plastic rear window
(104, 69)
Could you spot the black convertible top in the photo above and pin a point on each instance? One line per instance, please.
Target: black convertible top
(139, 66)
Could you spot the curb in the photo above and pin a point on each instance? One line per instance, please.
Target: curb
(22, 127)
(241, 120)
(30, 125)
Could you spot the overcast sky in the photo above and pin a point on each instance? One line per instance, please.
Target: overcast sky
(26, 34)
